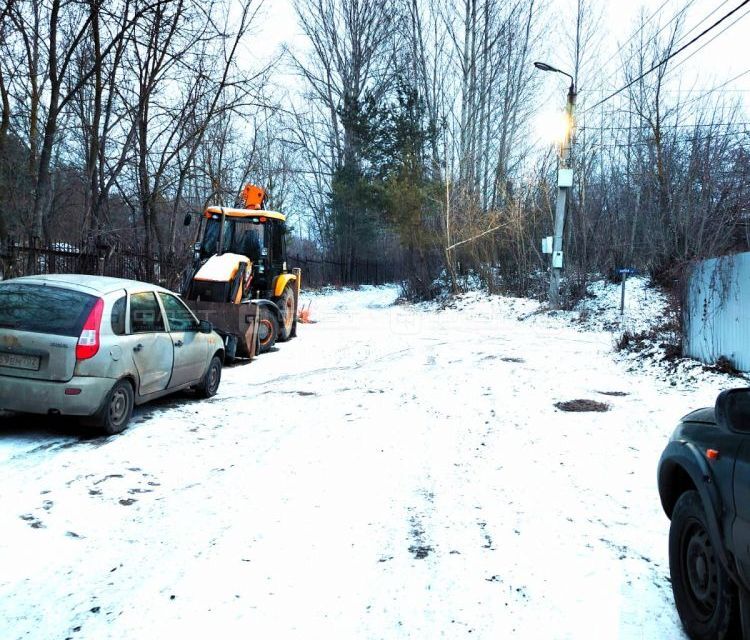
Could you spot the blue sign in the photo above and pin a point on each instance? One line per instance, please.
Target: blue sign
(627, 272)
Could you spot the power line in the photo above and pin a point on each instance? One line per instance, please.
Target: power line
(645, 24)
(646, 143)
(720, 87)
(684, 36)
(652, 38)
(703, 19)
(702, 90)
(706, 91)
(705, 44)
(671, 55)
(668, 126)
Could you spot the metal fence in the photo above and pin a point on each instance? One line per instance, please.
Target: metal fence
(716, 313)
(319, 272)
(33, 257)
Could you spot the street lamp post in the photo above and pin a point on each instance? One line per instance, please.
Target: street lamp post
(564, 184)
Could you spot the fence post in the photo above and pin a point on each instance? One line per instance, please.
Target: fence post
(33, 260)
(13, 255)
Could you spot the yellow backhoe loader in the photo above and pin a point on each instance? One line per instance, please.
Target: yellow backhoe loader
(240, 280)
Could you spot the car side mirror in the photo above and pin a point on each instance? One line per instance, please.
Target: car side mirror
(188, 219)
(205, 326)
(733, 410)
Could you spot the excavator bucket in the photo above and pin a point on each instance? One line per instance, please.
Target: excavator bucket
(236, 323)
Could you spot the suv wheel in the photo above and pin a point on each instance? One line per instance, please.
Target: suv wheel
(703, 592)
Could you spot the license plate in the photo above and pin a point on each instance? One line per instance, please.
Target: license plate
(18, 361)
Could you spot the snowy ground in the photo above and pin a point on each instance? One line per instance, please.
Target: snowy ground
(395, 472)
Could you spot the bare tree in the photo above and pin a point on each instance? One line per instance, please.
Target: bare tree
(349, 64)
(184, 77)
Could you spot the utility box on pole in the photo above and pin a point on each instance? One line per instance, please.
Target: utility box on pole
(565, 178)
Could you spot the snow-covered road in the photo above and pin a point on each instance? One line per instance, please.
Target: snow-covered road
(395, 472)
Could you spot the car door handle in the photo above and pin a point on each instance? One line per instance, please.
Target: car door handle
(137, 347)
(178, 343)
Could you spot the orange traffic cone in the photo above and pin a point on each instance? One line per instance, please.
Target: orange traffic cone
(304, 314)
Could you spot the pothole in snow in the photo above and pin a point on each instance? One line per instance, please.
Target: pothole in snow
(32, 521)
(420, 551)
(581, 405)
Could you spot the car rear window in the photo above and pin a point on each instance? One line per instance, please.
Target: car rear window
(43, 309)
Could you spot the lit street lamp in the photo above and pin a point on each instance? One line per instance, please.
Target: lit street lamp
(564, 184)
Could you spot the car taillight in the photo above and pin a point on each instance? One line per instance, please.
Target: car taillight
(88, 342)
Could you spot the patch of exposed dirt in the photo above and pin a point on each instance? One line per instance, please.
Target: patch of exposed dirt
(420, 551)
(724, 365)
(582, 405)
(32, 521)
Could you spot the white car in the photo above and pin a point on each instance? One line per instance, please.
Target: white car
(94, 347)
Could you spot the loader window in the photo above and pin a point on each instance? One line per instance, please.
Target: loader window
(249, 241)
(210, 244)
(244, 238)
(277, 249)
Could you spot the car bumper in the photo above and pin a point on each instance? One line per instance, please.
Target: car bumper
(41, 396)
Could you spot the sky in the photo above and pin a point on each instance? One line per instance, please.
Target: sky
(713, 61)
(718, 61)
(714, 58)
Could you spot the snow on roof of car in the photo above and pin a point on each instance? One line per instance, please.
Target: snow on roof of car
(100, 284)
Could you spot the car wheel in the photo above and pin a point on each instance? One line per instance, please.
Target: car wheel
(117, 409)
(289, 312)
(268, 330)
(211, 379)
(703, 592)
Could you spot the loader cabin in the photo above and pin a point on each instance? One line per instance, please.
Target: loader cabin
(257, 234)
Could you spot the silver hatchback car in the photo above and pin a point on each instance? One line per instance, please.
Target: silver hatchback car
(94, 347)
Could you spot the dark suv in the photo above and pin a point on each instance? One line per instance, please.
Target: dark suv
(704, 485)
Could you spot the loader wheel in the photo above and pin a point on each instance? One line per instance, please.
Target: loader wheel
(289, 312)
(268, 330)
